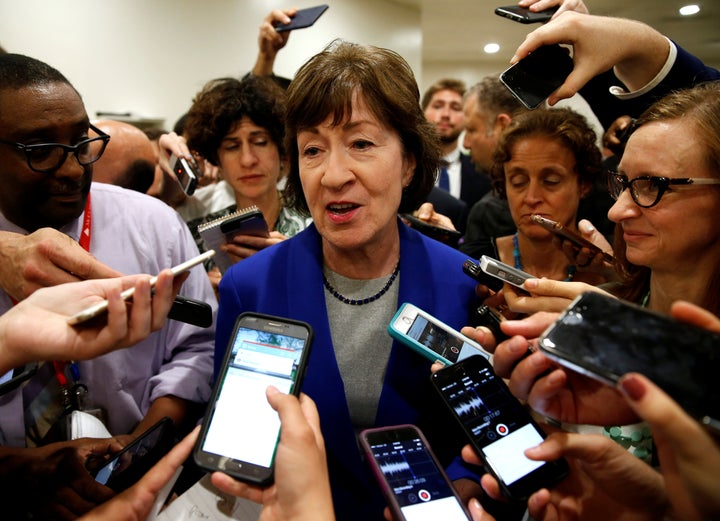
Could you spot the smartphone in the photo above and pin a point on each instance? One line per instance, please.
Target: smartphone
(472, 269)
(504, 272)
(240, 430)
(101, 307)
(430, 337)
(439, 233)
(568, 235)
(303, 18)
(539, 74)
(187, 173)
(191, 311)
(135, 459)
(12, 379)
(604, 338)
(525, 15)
(499, 427)
(491, 319)
(413, 482)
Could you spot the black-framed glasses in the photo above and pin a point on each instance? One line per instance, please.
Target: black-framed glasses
(48, 157)
(647, 190)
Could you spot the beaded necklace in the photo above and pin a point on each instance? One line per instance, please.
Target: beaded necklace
(518, 262)
(366, 300)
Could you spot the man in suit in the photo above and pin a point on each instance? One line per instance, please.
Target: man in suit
(442, 104)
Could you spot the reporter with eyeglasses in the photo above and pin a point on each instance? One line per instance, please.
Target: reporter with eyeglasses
(667, 248)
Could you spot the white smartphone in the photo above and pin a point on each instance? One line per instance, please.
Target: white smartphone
(504, 272)
(413, 482)
(430, 337)
(101, 307)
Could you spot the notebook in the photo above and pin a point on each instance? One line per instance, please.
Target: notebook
(247, 221)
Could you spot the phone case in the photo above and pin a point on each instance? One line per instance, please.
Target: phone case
(246, 470)
(604, 338)
(135, 459)
(303, 18)
(525, 15)
(565, 234)
(425, 351)
(497, 425)
(444, 235)
(403, 474)
(539, 74)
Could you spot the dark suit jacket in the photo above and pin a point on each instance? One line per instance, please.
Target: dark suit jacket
(286, 280)
(450, 206)
(474, 184)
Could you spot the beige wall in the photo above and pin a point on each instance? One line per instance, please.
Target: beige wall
(150, 57)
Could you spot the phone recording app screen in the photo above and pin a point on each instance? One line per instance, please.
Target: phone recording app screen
(439, 340)
(244, 427)
(420, 488)
(498, 422)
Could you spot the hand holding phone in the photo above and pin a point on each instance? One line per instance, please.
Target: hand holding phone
(539, 74)
(240, 430)
(130, 464)
(525, 15)
(604, 338)
(504, 272)
(499, 427)
(575, 239)
(412, 480)
(101, 307)
(430, 337)
(303, 18)
(187, 173)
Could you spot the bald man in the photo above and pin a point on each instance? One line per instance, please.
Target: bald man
(129, 159)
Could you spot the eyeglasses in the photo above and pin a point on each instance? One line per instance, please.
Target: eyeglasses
(48, 157)
(647, 190)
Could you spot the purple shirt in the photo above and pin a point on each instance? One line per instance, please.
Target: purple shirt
(135, 233)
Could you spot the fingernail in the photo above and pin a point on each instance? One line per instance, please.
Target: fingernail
(588, 227)
(475, 504)
(632, 387)
(272, 390)
(531, 283)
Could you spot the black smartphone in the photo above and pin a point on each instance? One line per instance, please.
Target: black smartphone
(187, 173)
(439, 233)
(605, 338)
(525, 15)
(135, 459)
(539, 74)
(499, 427)
(491, 319)
(240, 430)
(191, 311)
(577, 240)
(472, 268)
(413, 482)
(303, 18)
(12, 379)
(431, 337)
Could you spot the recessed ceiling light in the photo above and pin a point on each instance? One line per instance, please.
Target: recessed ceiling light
(689, 10)
(491, 48)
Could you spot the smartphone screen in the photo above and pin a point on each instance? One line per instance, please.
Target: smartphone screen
(240, 430)
(498, 425)
(413, 482)
(539, 74)
(605, 338)
(431, 337)
(131, 463)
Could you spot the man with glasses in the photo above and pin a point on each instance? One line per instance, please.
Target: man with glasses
(47, 148)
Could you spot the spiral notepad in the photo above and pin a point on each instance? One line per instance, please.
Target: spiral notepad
(247, 221)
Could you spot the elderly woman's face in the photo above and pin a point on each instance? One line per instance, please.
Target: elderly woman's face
(352, 176)
(682, 229)
(540, 178)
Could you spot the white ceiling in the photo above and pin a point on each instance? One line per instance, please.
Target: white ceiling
(457, 30)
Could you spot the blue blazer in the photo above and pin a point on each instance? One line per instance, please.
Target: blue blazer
(286, 280)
